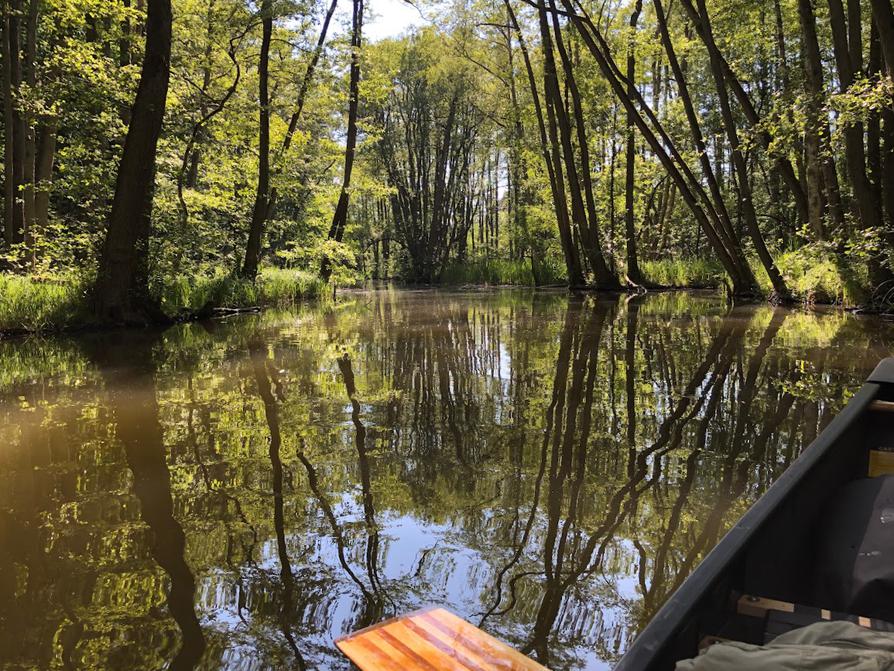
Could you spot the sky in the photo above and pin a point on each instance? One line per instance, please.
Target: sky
(390, 18)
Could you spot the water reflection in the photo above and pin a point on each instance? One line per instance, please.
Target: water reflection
(127, 364)
(234, 495)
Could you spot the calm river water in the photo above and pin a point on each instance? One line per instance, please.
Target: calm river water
(238, 493)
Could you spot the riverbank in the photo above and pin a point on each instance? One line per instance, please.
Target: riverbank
(811, 274)
(60, 303)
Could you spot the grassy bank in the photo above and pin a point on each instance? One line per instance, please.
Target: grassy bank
(274, 286)
(688, 273)
(61, 302)
(814, 277)
(811, 273)
(42, 303)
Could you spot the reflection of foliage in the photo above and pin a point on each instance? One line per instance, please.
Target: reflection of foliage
(438, 479)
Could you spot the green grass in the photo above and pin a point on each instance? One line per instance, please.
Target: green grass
(500, 272)
(56, 303)
(274, 286)
(690, 273)
(42, 303)
(813, 276)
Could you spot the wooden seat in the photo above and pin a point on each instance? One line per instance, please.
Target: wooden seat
(434, 640)
(781, 617)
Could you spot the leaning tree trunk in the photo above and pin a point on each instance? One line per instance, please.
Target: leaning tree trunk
(553, 102)
(664, 149)
(262, 196)
(549, 149)
(121, 294)
(605, 278)
(299, 104)
(340, 218)
(746, 203)
(781, 163)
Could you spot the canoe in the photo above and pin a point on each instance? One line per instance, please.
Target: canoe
(761, 572)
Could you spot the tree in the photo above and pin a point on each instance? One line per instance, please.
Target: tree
(430, 127)
(634, 274)
(340, 218)
(121, 293)
(262, 196)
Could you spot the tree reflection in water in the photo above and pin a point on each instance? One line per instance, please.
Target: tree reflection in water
(237, 494)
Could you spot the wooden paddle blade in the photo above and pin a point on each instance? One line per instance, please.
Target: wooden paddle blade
(431, 640)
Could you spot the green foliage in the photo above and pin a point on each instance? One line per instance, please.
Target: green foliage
(465, 64)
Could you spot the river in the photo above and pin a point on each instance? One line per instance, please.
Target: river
(235, 494)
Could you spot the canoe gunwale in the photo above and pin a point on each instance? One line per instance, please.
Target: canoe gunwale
(660, 637)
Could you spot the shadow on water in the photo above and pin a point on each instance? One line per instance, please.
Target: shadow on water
(237, 494)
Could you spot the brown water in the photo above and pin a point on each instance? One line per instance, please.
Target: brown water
(235, 494)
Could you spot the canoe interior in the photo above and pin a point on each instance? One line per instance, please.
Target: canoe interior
(770, 551)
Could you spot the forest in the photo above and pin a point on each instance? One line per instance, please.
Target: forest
(166, 159)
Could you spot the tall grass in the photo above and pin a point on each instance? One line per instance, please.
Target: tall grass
(274, 286)
(811, 273)
(31, 304)
(515, 272)
(42, 303)
(814, 276)
(690, 273)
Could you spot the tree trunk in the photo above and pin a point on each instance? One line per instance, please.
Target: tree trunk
(588, 222)
(742, 280)
(517, 169)
(817, 123)
(848, 47)
(883, 16)
(121, 293)
(340, 218)
(43, 175)
(262, 195)
(301, 99)
(746, 202)
(559, 139)
(9, 187)
(549, 147)
(634, 275)
(29, 77)
(14, 126)
(781, 162)
(678, 68)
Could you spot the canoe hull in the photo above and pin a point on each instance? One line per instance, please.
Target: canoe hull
(769, 551)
